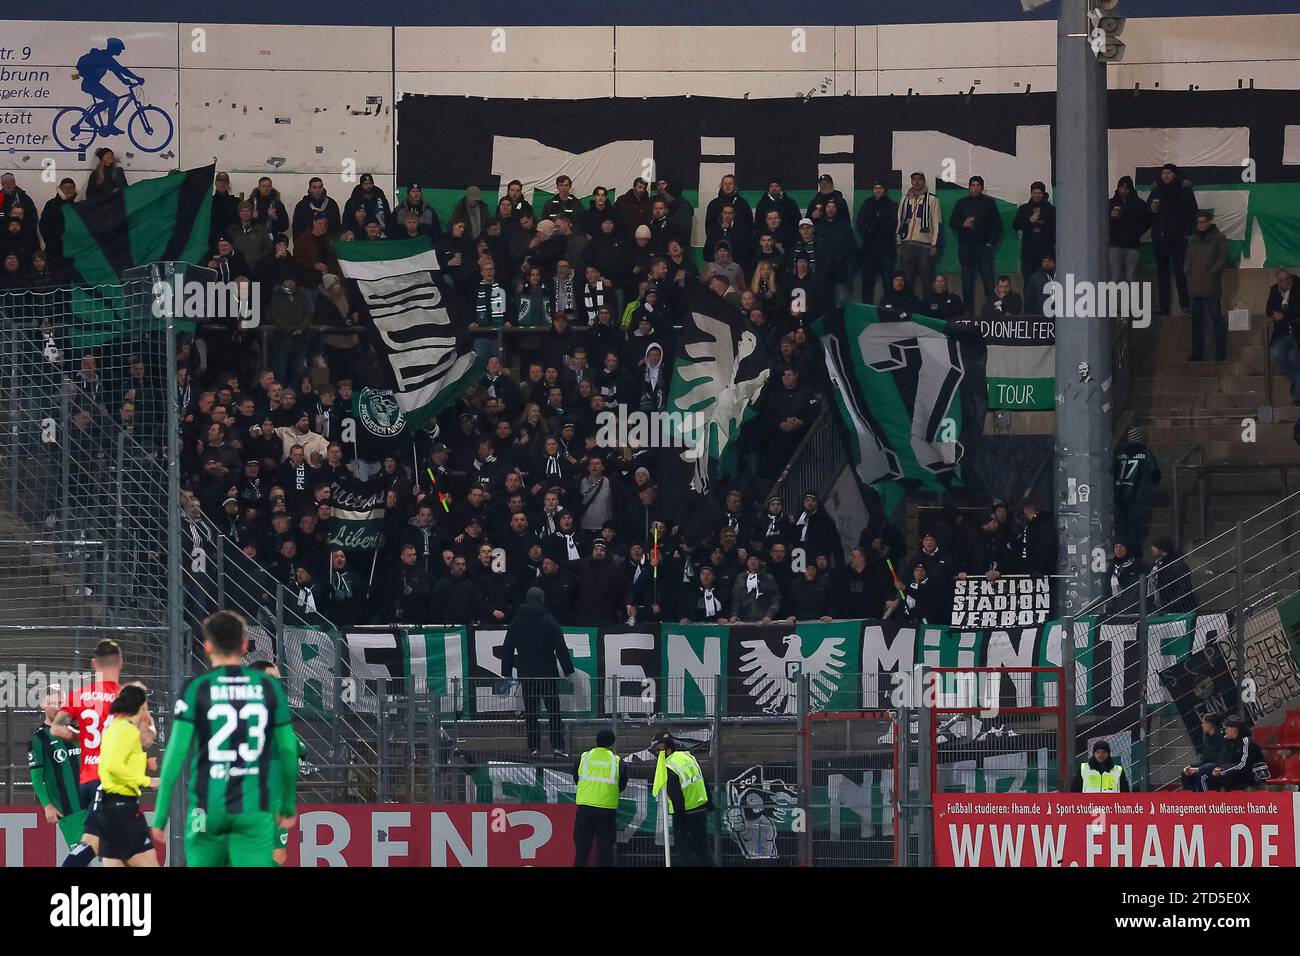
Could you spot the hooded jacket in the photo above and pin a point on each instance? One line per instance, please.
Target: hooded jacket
(534, 645)
(603, 592)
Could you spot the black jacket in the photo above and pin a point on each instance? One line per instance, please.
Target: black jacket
(987, 229)
(1130, 223)
(534, 645)
(603, 593)
(1036, 238)
(1169, 587)
(1289, 324)
(1175, 220)
(1136, 474)
(862, 594)
(1237, 762)
(1035, 549)
(945, 306)
(453, 600)
(790, 217)
(878, 226)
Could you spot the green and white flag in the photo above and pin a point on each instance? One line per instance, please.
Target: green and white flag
(912, 396)
(1021, 361)
(719, 373)
(434, 658)
(358, 515)
(432, 360)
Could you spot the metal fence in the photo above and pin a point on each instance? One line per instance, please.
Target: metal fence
(1204, 634)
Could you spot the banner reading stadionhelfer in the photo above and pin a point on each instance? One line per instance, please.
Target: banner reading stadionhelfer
(1122, 830)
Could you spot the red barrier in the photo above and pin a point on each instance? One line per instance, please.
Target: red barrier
(1138, 829)
(453, 835)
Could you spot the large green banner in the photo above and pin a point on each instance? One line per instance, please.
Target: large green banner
(699, 670)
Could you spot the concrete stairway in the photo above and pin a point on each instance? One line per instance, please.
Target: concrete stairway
(1214, 407)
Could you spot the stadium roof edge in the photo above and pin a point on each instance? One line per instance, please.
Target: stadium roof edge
(601, 13)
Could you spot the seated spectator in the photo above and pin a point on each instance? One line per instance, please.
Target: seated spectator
(941, 303)
(1003, 302)
(1036, 286)
(898, 302)
(1198, 778)
(1283, 309)
(1241, 764)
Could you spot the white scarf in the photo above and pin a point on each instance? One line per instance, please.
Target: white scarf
(802, 523)
(711, 606)
(751, 584)
(571, 545)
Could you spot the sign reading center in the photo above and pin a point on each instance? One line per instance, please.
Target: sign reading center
(1006, 602)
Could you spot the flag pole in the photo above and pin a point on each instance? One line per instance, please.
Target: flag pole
(663, 812)
(373, 560)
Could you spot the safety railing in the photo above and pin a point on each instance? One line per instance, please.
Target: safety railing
(816, 463)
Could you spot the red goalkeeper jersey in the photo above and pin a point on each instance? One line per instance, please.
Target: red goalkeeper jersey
(88, 707)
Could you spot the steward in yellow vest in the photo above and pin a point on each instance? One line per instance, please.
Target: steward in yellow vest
(601, 776)
(1100, 774)
(689, 801)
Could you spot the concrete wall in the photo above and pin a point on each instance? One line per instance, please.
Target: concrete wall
(298, 101)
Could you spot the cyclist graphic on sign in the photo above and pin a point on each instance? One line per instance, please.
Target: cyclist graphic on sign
(75, 127)
(92, 68)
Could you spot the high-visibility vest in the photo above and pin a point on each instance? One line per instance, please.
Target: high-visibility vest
(691, 778)
(1095, 781)
(598, 779)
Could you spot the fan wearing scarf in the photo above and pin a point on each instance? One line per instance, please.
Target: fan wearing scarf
(815, 531)
(705, 603)
(568, 544)
(755, 597)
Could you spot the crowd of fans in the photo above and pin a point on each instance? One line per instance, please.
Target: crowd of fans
(511, 490)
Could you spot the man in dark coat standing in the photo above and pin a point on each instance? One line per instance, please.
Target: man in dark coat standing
(1173, 218)
(1169, 582)
(534, 645)
(878, 225)
(604, 596)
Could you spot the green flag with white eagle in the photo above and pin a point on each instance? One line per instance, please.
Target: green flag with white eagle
(719, 373)
(430, 356)
(911, 394)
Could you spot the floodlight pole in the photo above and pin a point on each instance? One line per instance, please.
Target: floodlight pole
(1083, 398)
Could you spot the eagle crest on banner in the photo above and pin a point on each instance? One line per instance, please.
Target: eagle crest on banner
(770, 678)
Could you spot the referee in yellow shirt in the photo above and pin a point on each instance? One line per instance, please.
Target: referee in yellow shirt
(124, 839)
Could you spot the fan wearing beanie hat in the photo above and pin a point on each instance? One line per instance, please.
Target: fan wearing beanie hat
(1172, 205)
(1137, 474)
(1100, 773)
(534, 651)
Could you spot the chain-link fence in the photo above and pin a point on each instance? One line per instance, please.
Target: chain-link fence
(1194, 634)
